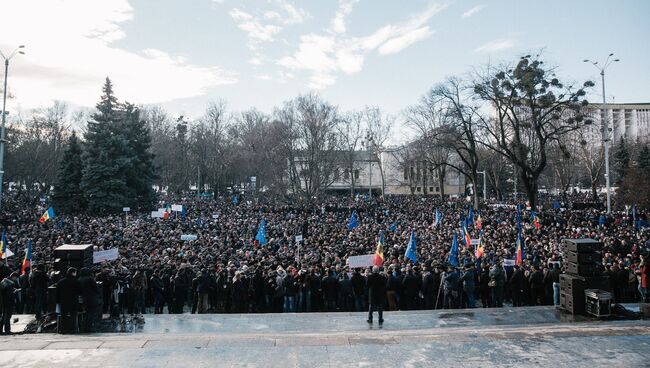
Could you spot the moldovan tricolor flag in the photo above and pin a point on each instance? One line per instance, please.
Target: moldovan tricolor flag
(48, 215)
(535, 219)
(27, 262)
(379, 253)
(468, 238)
(479, 247)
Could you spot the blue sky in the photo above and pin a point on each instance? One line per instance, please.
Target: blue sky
(183, 54)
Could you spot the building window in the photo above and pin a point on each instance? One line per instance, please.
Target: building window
(418, 189)
(406, 173)
(430, 189)
(356, 174)
(437, 189)
(346, 174)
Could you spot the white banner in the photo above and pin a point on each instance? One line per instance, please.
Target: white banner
(126, 209)
(361, 261)
(508, 263)
(177, 207)
(157, 214)
(188, 237)
(105, 255)
(298, 238)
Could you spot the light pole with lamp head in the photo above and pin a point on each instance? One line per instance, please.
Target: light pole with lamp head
(605, 124)
(18, 50)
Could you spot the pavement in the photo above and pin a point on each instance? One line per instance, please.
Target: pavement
(500, 337)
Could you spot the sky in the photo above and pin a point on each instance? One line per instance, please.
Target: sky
(387, 53)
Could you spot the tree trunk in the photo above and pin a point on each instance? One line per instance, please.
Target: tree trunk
(530, 185)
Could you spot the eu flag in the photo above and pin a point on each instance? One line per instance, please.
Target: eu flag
(410, 249)
(453, 255)
(261, 233)
(354, 221)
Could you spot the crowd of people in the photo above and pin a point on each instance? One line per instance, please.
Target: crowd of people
(226, 270)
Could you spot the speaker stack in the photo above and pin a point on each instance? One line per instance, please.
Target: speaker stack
(582, 270)
(73, 255)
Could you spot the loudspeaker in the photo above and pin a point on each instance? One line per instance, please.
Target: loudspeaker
(578, 269)
(77, 256)
(582, 245)
(584, 258)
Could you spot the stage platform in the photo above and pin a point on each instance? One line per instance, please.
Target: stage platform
(500, 337)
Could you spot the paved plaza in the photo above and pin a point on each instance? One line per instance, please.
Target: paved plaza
(506, 337)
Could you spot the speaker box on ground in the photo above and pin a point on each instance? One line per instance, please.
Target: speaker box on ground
(582, 245)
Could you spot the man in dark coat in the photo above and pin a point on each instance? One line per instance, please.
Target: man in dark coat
(452, 288)
(91, 297)
(38, 280)
(536, 280)
(517, 287)
(67, 297)
(469, 286)
(376, 294)
(7, 290)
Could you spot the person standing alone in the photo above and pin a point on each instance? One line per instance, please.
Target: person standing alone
(376, 294)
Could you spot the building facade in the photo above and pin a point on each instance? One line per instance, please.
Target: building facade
(630, 121)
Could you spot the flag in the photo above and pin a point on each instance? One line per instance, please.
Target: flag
(3, 248)
(354, 221)
(518, 218)
(479, 247)
(519, 254)
(393, 227)
(410, 248)
(235, 200)
(468, 238)
(183, 212)
(470, 215)
(601, 220)
(453, 255)
(634, 222)
(556, 205)
(261, 233)
(535, 219)
(379, 253)
(49, 214)
(478, 221)
(27, 262)
(438, 218)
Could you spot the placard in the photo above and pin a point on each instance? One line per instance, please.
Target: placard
(105, 255)
(508, 263)
(363, 261)
(188, 237)
(177, 207)
(126, 209)
(298, 238)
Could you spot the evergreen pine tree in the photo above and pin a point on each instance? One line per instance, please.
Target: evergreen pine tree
(621, 160)
(140, 176)
(106, 157)
(67, 192)
(643, 159)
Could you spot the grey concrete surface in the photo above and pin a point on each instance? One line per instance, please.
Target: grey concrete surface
(507, 337)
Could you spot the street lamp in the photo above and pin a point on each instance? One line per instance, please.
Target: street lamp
(484, 190)
(369, 147)
(605, 124)
(18, 50)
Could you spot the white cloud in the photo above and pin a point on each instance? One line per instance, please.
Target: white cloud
(264, 77)
(472, 11)
(68, 56)
(264, 26)
(218, 1)
(344, 9)
(397, 44)
(324, 56)
(496, 45)
(255, 60)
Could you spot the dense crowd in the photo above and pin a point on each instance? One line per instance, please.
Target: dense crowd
(225, 270)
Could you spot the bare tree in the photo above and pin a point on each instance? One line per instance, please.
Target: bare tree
(351, 134)
(532, 108)
(378, 127)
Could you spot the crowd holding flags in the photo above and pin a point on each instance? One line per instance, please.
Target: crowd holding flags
(535, 219)
(354, 221)
(519, 253)
(49, 214)
(27, 261)
(261, 233)
(479, 247)
(410, 248)
(378, 260)
(453, 254)
(478, 224)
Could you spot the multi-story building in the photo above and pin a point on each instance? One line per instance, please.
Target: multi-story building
(630, 121)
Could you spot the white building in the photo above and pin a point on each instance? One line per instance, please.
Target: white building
(630, 121)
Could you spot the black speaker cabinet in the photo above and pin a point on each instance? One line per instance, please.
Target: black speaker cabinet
(582, 245)
(69, 255)
(584, 258)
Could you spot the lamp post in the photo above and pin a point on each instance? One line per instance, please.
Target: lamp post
(18, 50)
(484, 188)
(369, 147)
(605, 124)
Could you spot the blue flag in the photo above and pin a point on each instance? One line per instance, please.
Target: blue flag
(601, 220)
(636, 224)
(235, 200)
(261, 233)
(410, 249)
(470, 216)
(556, 205)
(453, 255)
(438, 220)
(393, 227)
(183, 212)
(354, 221)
